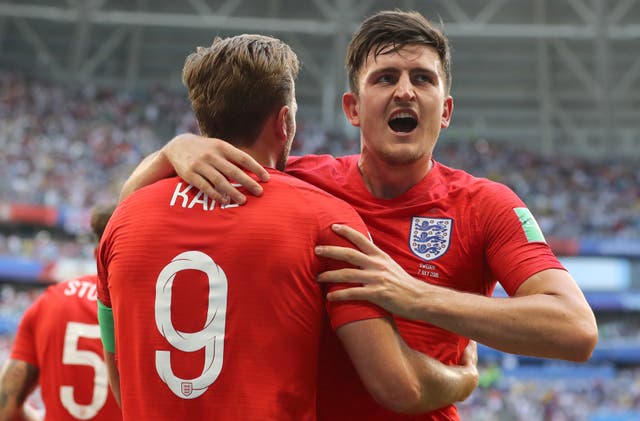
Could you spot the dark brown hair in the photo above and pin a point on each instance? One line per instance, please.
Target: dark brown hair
(389, 31)
(236, 83)
(100, 215)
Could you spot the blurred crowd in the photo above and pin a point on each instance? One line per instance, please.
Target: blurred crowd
(570, 196)
(560, 399)
(70, 147)
(73, 146)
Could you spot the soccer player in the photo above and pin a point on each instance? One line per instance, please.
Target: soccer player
(443, 238)
(213, 310)
(58, 346)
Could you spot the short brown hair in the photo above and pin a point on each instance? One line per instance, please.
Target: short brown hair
(237, 82)
(389, 31)
(100, 215)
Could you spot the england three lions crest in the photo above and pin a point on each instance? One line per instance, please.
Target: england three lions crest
(429, 237)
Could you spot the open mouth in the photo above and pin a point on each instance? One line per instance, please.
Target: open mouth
(403, 122)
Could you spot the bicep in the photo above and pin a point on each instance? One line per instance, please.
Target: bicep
(369, 342)
(561, 290)
(376, 352)
(556, 282)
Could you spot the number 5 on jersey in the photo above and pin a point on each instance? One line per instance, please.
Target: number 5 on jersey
(72, 355)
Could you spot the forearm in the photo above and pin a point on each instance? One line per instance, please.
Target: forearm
(114, 374)
(153, 168)
(508, 324)
(538, 324)
(440, 384)
(547, 317)
(18, 379)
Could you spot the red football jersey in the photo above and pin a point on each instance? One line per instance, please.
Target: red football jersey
(451, 229)
(60, 335)
(216, 308)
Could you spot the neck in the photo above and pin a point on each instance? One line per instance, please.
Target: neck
(263, 155)
(386, 181)
(267, 149)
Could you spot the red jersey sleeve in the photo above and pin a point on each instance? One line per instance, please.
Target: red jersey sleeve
(103, 288)
(102, 261)
(515, 246)
(341, 313)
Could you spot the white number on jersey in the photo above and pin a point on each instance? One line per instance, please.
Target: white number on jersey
(211, 337)
(73, 356)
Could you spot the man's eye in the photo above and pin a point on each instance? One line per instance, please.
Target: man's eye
(422, 78)
(385, 79)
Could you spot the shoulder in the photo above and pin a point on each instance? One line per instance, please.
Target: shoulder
(305, 191)
(477, 188)
(320, 162)
(157, 190)
(312, 200)
(145, 204)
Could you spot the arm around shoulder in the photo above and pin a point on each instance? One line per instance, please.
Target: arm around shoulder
(206, 163)
(153, 168)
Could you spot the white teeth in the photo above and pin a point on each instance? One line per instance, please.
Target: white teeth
(402, 114)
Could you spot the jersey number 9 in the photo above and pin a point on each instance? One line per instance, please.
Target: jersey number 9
(211, 337)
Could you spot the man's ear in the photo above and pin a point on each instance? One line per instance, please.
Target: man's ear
(281, 127)
(447, 112)
(351, 108)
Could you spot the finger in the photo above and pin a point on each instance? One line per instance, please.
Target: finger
(473, 350)
(229, 194)
(217, 193)
(247, 162)
(470, 354)
(243, 160)
(343, 254)
(213, 184)
(239, 176)
(345, 276)
(361, 241)
(347, 294)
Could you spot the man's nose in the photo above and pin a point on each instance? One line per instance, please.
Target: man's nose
(405, 89)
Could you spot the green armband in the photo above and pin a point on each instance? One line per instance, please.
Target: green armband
(105, 318)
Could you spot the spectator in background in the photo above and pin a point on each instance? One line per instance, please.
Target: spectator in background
(447, 236)
(241, 280)
(69, 147)
(58, 347)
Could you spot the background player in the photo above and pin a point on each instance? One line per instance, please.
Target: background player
(215, 308)
(58, 346)
(444, 237)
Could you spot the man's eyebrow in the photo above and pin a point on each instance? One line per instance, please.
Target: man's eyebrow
(389, 69)
(392, 69)
(424, 70)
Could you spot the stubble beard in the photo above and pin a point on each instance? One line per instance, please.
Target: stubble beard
(395, 158)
